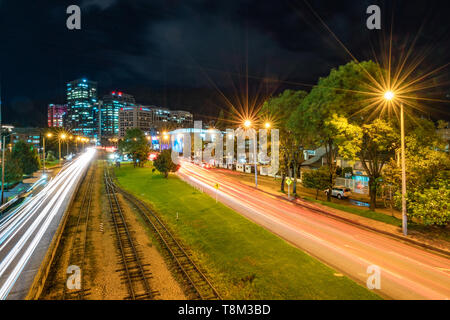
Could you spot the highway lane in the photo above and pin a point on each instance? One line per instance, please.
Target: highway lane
(407, 272)
(28, 230)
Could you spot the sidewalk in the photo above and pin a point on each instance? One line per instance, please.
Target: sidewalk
(414, 237)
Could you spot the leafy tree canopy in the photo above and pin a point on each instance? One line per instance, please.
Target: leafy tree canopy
(135, 144)
(164, 164)
(26, 156)
(13, 170)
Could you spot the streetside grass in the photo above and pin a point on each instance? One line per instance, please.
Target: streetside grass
(243, 260)
(49, 164)
(360, 212)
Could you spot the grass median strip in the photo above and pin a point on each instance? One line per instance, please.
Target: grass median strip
(243, 260)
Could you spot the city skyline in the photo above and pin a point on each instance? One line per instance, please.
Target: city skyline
(164, 62)
(249, 155)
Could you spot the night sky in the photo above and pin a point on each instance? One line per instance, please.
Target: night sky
(194, 55)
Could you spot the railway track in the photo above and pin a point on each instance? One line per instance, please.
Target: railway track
(77, 256)
(134, 274)
(199, 285)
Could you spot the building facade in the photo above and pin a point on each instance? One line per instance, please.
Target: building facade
(55, 115)
(160, 117)
(135, 117)
(29, 135)
(109, 113)
(182, 118)
(82, 108)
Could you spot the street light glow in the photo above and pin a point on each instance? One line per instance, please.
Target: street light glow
(389, 95)
(247, 123)
(267, 125)
(63, 136)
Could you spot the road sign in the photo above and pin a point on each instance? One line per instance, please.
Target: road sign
(288, 181)
(217, 186)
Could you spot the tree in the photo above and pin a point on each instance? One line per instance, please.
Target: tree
(427, 172)
(278, 110)
(26, 156)
(324, 113)
(50, 156)
(136, 145)
(316, 179)
(164, 164)
(13, 171)
(376, 148)
(432, 205)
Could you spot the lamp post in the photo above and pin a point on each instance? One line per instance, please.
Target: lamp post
(248, 124)
(165, 136)
(389, 96)
(3, 164)
(76, 143)
(62, 136)
(49, 135)
(149, 139)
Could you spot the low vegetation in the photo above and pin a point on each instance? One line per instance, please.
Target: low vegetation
(243, 260)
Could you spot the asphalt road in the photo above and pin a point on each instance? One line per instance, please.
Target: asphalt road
(27, 231)
(406, 272)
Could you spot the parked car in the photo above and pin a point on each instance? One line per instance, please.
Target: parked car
(340, 192)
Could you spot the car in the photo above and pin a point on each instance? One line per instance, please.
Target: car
(340, 192)
(205, 165)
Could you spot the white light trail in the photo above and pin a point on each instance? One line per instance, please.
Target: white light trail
(23, 229)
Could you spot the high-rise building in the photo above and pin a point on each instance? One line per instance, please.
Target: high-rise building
(182, 118)
(82, 113)
(109, 113)
(56, 114)
(161, 116)
(152, 118)
(135, 117)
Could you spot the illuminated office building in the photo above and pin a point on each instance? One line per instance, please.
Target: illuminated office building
(83, 108)
(109, 113)
(55, 115)
(135, 117)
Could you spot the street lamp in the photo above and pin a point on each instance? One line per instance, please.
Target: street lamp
(3, 164)
(165, 136)
(149, 139)
(389, 96)
(267, 125)
(247, 125)
(62, 136)
(48, 135)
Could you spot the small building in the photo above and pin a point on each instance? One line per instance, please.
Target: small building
(28, 135)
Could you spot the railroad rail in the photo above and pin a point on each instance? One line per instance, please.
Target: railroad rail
(199, 285)
(77, 254)
(134, 274)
